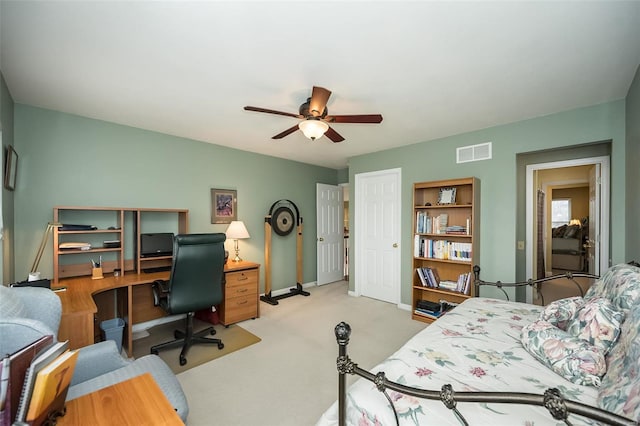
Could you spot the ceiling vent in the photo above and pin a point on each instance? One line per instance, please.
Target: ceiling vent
(478, 152)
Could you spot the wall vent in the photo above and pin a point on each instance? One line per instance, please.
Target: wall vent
(469, 153)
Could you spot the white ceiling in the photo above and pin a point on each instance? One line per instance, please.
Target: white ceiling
(432, 69)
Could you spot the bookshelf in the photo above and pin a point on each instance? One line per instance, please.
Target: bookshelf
(445, 240)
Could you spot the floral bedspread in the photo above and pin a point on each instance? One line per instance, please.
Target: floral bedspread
(474, 347)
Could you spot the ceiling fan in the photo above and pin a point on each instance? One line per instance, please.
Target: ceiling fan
(315, 117)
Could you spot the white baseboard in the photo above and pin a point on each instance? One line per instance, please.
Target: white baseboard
(404, 307)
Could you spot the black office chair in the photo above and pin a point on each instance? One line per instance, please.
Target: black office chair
(195, 283)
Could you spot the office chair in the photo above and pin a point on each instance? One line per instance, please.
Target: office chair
(195, 283)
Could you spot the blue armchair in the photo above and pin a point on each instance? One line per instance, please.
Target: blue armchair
(27, 313)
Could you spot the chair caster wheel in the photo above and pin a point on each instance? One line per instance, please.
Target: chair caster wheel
(213, 332)
(220, 345)
(183, 360)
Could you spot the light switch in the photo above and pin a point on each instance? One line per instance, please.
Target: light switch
(520, 245)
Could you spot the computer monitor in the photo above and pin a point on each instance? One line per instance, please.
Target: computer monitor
(156, 245)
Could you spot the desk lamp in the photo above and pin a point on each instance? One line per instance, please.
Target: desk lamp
(237, 231)
(43, 243)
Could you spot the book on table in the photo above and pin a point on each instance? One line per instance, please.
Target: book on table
(19, 362)
(42, 360)
(50, 388)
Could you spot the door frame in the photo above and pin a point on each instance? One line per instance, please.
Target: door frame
(358, 254)
(604, 203)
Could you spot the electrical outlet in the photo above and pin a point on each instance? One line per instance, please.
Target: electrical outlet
(520, 245)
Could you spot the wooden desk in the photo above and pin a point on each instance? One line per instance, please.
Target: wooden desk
(137, 401)
(128, 297)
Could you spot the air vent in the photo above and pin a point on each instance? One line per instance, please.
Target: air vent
(478, 152)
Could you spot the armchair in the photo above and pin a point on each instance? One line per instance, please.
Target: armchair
(195, 283)
(27, 313)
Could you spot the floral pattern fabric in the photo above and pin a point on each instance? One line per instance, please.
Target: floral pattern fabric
(598, 322)
(474, 347)
(573, 358)
(559, 312)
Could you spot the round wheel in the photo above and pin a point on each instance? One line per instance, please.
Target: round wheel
(220, 345)
(212, 332)
(183, 360)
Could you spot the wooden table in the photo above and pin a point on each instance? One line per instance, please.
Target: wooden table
(137, 401)
(128, 296)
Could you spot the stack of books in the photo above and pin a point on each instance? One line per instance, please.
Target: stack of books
(433, 310)
(428, 277)
(35, 381)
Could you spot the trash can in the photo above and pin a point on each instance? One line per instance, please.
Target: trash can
(113, 331)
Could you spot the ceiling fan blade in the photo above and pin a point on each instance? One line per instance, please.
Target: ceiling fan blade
(286, 132)
(333, 135)
(319, 98)
(360, 118)
(272, 111)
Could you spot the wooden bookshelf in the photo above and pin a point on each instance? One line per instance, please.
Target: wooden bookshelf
(445, 238)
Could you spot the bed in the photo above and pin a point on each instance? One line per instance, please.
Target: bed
(471, 367)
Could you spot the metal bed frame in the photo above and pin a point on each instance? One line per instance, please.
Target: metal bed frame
(559, 407)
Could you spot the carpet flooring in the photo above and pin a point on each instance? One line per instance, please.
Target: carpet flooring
(234, 338)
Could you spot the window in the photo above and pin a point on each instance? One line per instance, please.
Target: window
(560, 212)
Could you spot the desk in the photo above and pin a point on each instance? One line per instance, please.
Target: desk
(137, 401)
(128, 296)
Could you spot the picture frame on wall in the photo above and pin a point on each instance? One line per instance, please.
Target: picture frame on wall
(224, 205)
(10, 168)
(447, 196)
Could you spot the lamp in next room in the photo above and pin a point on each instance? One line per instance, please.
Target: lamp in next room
(34, 274)
(313, 128)
(237, 231)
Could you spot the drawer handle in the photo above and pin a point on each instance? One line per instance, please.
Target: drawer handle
(244, 302)
(242, 290)
(243, 278)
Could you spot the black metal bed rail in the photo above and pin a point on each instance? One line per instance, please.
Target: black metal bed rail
(569, 276)
(552, 399)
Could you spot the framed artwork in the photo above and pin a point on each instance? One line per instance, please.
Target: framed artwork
(223, 205)
(11, 168)
(447, 196)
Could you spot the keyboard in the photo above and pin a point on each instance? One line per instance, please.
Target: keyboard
(156, 269)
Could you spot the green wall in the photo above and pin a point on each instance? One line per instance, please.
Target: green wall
(6, 126)
(71, 160)
(500, 225)
(633, 171)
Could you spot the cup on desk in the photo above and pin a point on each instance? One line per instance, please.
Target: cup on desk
(116, 272)
(96, 273)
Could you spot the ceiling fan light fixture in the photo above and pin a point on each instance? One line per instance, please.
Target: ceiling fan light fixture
(313, 128)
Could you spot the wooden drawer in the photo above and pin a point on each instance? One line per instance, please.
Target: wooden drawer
(240, 296)
(242, 278)
(240, 309)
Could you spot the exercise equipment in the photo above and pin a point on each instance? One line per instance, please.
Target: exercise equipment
(282, 217)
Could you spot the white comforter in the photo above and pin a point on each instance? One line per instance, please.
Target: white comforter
(475, 347)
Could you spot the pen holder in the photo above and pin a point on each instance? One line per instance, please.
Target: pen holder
(96, 273)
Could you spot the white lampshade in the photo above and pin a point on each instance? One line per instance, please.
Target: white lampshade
(313, 128)
(237, 231)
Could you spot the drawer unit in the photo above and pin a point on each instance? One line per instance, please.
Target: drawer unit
(240, 296)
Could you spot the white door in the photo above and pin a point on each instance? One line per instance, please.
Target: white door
(377, 235)
(593, 243)
(330, 233)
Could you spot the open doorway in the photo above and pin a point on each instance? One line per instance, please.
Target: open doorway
(567, 220)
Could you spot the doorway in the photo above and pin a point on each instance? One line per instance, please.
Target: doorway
(377, 234)
(584, 243)
(330, 232)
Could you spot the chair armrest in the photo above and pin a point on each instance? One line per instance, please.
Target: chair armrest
(41, 304)
(160, 291)
(96, 360)
(16, 333)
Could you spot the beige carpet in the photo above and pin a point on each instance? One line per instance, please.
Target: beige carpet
(234, 338)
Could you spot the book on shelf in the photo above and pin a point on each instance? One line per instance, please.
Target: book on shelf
(423, 279)
(428, 314)
(39, 362)
(20, 362)
(50, 388)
